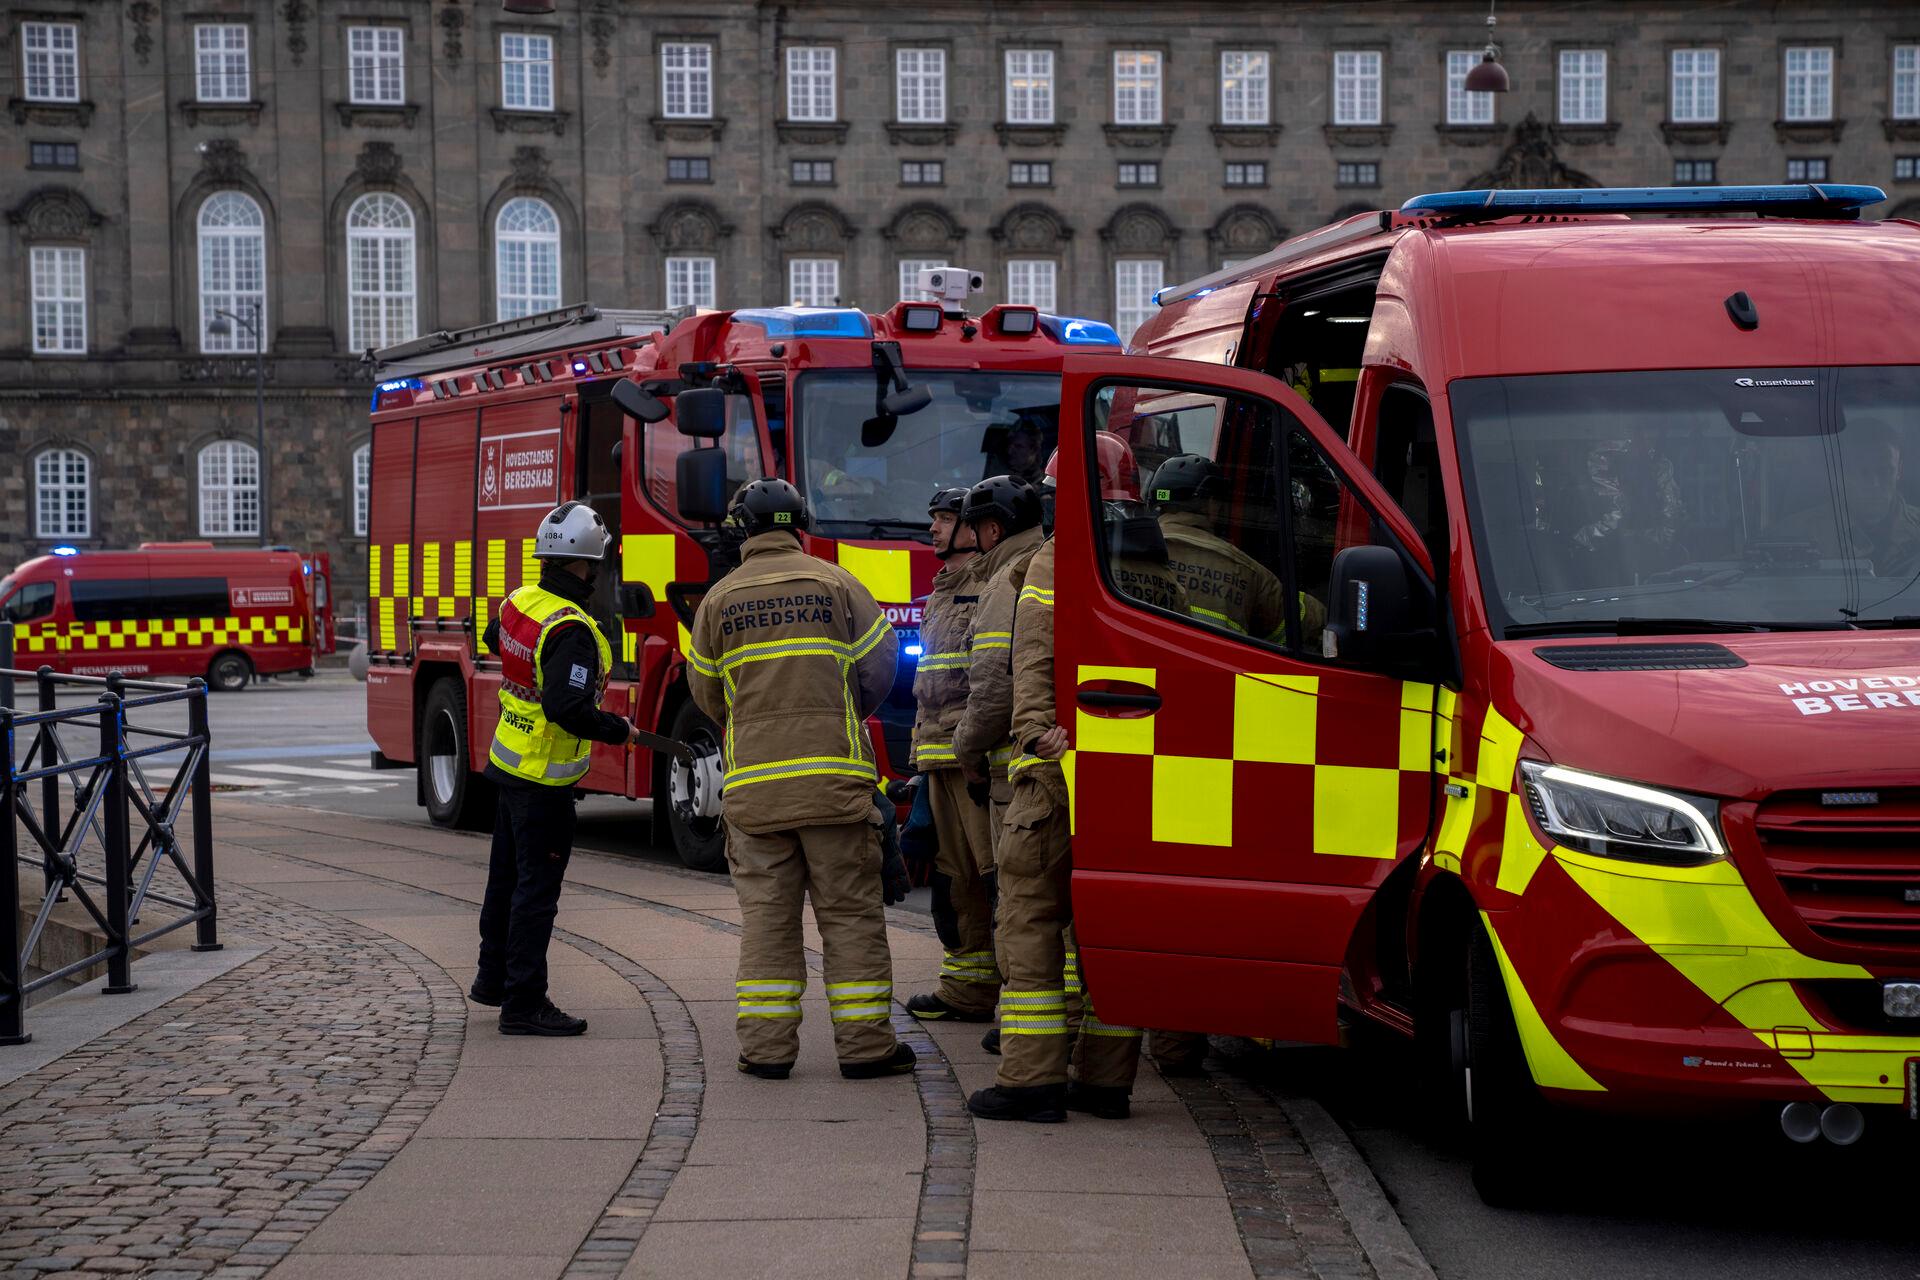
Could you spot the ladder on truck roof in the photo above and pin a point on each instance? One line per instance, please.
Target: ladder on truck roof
(580, 325)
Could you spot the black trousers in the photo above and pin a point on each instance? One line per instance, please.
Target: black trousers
(532, 842)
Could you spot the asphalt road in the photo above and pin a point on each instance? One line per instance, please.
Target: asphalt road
(1618, 1199)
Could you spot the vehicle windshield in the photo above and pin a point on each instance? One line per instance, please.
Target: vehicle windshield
(874, 480)
(1749, 497)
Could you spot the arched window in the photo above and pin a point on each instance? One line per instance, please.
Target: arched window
(229, 490)
(62, 499)
(380, 295)
(526, 258)
(362, 488)
(233, 272)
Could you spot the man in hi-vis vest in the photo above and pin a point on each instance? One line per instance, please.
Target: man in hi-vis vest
(554, 664)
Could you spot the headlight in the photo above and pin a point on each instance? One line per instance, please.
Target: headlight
(1617, 819)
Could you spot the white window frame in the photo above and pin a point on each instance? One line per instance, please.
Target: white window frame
(1463, 107)
(910, 269)
(1033, 282)
(1135, 281)
(232, 255)
(376, 66)
(62, 494)
(1581, 86)
(813, 83)
(1904, 97)
(526, 71)
(1693, 86)
(50, 61)
(1358, 84)
(226, 487)
(362, 490)
(1137, 96)
(920, 85)
(1246, 78)
(390, 293)
(1029, 86)
(520, 251)
(59, 286)
(222, 69)
(1813, 79)
(813, 282)
(686, 80)
(691, 281)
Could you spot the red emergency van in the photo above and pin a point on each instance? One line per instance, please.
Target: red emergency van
(166, 609)
(1586, 759)
(476, 434)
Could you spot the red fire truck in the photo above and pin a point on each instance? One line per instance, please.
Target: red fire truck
(475, 434)
(1598, 780)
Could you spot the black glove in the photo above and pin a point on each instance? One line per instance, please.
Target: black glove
(919, 842)
(893, 876)
(980, 792)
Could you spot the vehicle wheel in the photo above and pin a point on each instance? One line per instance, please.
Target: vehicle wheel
(699, 839)
(455, 795)
(1440, 1033)
(1503, 1107)
(229, 672)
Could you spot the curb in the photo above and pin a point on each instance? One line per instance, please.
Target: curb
(1382, 1236)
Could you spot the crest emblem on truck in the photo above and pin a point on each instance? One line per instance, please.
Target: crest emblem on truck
(489, 471)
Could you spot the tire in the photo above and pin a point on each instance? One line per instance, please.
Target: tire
(1440, 1031)
(229, 672)
(700, 842)
(455, 796)
(1504, 1108)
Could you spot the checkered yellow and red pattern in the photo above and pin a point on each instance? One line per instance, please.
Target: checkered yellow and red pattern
(158, 633)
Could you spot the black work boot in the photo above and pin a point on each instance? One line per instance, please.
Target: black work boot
(1039, 1103)
(1109, 1102)
(765, 1070)
(486, 993)
(931, 1008)
(545, 1020)
(991, 1042)
(897, 1063)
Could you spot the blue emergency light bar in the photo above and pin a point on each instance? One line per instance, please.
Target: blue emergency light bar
(397, 384)
(1800, 200)
(1073, 331)
(808, 322)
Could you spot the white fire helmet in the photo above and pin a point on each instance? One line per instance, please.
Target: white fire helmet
(572, 531)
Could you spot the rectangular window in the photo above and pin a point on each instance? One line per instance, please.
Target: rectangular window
(1136, 87)
(1696, 86)
(1031, 282)
(526, 72)
(1139, 173)
(1814, 170)
(1583, 86)
(810, 87)
(813, 173)
(686, 81)
(1029, 86)
(1357, 173)
(1809, 86)
(220, 63)
(1030, 173)
(1463, 107)
(814, 282)
(60, 490)
(922, 173)
(362, 488)
(52, 60)
(910, 269)
(1906, 82)
(1356, 87)
(54, 155)
(376, 65)
(59, 300)
(689, 169)
(1135, 281)
(920, 86)
(690, 282)
(1247, 173)
(1695, 173)
(1243, 87)
(1906, 168)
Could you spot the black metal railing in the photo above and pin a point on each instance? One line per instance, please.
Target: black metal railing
(77, 785)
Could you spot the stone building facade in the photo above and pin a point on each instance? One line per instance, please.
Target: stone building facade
(361, 170)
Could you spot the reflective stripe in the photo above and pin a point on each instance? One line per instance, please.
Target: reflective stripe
(1035, 1027)
(704, 665)
(1000, 755)
(1020, 762)
(1218, 617)
(859, 1001)
(769, 1010)
(1039, 595)
(1092, 1026)
(799, 767)
(1074, 985)
(558, 771)
(866, 643)
(760, 997)
(992, 640)
(770, 986)
(935, 751)
(942, 661)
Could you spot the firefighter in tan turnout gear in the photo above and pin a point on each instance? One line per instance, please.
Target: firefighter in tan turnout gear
(791, 655)
(963, 899)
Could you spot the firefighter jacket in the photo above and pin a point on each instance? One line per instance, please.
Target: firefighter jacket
(940, 679)
(1224, 584)
(550, 686)
(983, 738)
(792, 655)
(1033, 689)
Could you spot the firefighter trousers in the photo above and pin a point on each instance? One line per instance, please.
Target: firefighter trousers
(969, 978)
(838, 867)
(1039, 1039)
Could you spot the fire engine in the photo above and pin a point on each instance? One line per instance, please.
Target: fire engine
(655, 418)
(1585, 762)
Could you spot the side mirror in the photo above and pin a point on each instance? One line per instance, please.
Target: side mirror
(875, 432)
(1379, 614)
(636, 402)
(907, 401)
(701, 412)
(700, 475)
(636, 600)
(684, 599)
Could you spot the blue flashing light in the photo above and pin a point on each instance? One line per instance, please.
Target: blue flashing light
(1807, 200)
(1075, 331)
(579, 368)
(66, 551)
(808, 322)
(397, 384)
(914, 650)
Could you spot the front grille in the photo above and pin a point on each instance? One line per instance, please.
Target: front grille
(1847, 863)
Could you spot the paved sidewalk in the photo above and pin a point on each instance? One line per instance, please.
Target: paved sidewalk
(333, 1108)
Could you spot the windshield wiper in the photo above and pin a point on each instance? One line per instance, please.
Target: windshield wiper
(911, 527)
(1903, 622)
(1658, 627)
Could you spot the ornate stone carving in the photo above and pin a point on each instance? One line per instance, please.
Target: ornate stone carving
(811, 133)
(34, 111)
(453, 23)
(530, 167)
(687, 226)
(601, 29)
(222, 113)
(1139, 228)
(1696, 135)
(210, 369)
(1531, 160)
(1135, 137)
(392, 116)
(54, 213)
(922, 135)
(141, 14)
(222, 161)
(813, 226)
(1809, 130)
(1227, 136)
(1030, 135)
(1470, 135)
(1244, 231)
(1031, 227)
(1901, 130)
(924, 227)
(554, 122)
(673, 129)
(295, 14)
(1355, 135)
(378, 163)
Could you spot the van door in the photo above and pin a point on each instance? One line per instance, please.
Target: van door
(1238, 797)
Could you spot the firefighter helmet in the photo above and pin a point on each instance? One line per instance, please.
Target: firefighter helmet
(766, 505)
(572, 531)
(1185, 478)
(1119, 473)
(954, 500)
(1008, 499)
